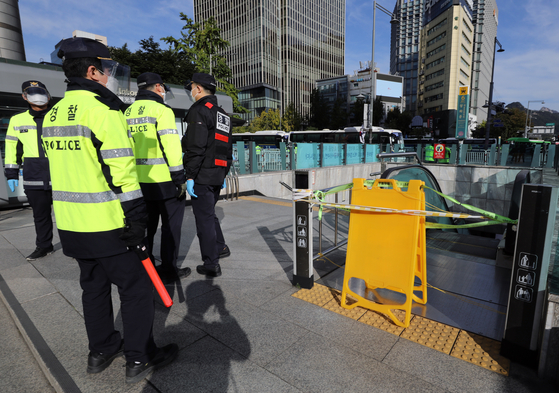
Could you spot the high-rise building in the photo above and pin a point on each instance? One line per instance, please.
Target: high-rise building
(11, 36)
(279, 48)
(404, 46)
(485, 20)
(445, 53)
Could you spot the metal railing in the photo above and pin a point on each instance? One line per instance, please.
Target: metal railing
(336, 244)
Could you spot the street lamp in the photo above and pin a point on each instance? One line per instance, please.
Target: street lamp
(527, 114)
(394, 20)
(490, 103)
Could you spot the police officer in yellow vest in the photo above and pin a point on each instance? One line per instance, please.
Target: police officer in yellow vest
(158, 153)
(429, 151)
(23, 145)
(100, 210)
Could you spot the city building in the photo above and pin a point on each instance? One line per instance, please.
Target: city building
(351, 88)
(11, 36)
(445, 53)
(404, 47)
(485, 21)
(278, 48)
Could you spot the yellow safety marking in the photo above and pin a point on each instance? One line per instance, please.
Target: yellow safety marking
(470, 347)
(263, 200)
(335, 305)
(431, 334)
(318, 294)
(382, 322)
(481, 351)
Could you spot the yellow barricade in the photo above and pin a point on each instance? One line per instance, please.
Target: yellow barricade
(387, 251)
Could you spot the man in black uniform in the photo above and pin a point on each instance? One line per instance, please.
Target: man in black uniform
(208, 150)
(23, 145)
(100, 210)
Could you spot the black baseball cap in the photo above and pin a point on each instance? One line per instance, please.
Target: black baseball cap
(150, 78)
(76, 47)
(34, 87)
(206, 80)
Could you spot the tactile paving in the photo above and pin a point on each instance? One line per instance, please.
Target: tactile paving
(431, 334)
(318, 294)
(470, 347)
(481, 351)
(335, 305)
(381, 321)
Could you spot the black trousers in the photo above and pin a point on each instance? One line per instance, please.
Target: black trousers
(41, 203)
(208, 229)
(172, 213)
(136, 305)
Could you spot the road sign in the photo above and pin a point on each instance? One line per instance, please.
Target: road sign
(550, 124)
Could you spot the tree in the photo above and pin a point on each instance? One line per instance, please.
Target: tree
(338, 117)
(173, 67)
(356, 114)
(202, 44)
(292, 119)
(399, 121)
(319, 113)
(267, 120)
(513, 120)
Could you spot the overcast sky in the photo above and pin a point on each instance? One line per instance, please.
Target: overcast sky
(528, 31)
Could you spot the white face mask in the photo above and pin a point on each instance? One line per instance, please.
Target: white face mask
(38, 99)
(193, 95)
(112, 84)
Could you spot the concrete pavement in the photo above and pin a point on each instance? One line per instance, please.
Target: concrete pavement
(241, 332)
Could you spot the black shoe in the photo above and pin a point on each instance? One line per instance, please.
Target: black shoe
(40, 252)
(135, 372)
(212, 271)
(97, 362)
(225, 252)
(168, 278)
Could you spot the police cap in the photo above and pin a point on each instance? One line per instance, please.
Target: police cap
(206, 80)
(76, 47)
(149, 78)
(33, 87)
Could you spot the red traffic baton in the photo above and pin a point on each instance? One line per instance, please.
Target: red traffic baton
(141, 251)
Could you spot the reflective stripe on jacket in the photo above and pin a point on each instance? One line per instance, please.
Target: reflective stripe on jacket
(23, 147)
(92, 163)
(157, 146)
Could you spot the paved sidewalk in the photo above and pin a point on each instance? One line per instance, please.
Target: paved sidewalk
(241, 332)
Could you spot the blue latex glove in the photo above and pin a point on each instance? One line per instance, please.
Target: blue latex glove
(13, 183)
(190, 188)
(224, 184)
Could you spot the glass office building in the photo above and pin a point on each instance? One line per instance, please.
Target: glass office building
(404, 47)
(279, 48)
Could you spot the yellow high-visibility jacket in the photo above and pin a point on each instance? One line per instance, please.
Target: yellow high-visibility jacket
(93, 171)
(157, 146)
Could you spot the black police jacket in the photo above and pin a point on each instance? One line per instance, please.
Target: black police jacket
(207, 144)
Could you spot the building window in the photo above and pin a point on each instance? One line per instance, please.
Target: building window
(466, 38)
(464, 62)
(434, 86)
(436, 27)
(466, 25)
(437, 50)
(434, 98)
(437, 38)
(466, 51)
(434, 74)
(434, 63)
(463, 74)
